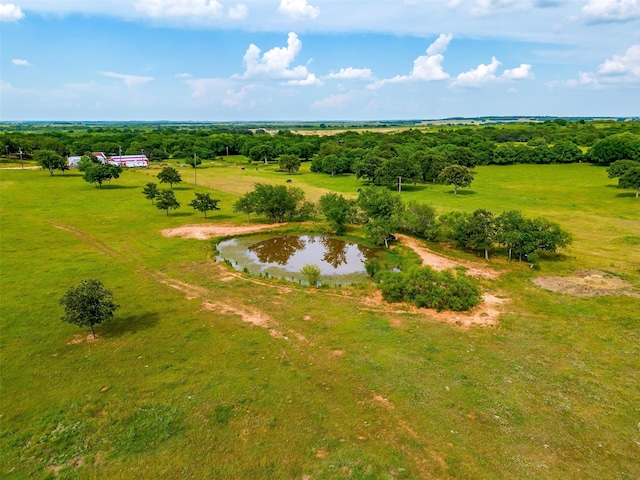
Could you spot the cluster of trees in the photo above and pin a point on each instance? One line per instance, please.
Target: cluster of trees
(428, 288)
(627, 172)
(166, 200)
(277, 202)
(545, 142)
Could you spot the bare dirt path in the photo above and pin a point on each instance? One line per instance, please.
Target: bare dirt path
(438, 262)
(204, 232)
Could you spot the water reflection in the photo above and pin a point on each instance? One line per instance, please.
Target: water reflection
(339, 261)
(277, 250)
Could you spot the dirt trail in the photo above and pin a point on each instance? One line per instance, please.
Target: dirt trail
(204, 232)
(438, 262)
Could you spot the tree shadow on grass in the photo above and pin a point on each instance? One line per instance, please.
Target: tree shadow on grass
(627, 194)
(130, 324)
(462, 192)
(182, 214)
(119, 187)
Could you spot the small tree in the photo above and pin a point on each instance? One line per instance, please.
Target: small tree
(151, 191)
(631, 179)
(203, 203)
(337, 211)
(246, 204)
(166, 200)
(456, 175)
(312, 272)
(97, 173)
(88, 304)
(50, 160)
(87, 161)
(169, 175)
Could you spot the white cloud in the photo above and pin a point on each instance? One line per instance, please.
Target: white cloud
(489, 7)
(275, 62)
(184, 75)
(333, 101)
(180, 9)
(453, 3)
(20, 62)
(518, 73)
(310, 80)
(5, 86)
(239, 99)
(603, 11)
(202, 87)
(298, 9)
(129, 80)
(350, 73)
(620, 69)
(480, 75)
(426, 68)
(10, 12)
(238, 12)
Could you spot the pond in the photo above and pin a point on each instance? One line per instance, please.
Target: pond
(340, 262)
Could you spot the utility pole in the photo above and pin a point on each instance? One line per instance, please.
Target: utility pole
(399, 184)
(195, 167)
(21, 162)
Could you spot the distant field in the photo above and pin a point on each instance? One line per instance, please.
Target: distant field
(178, 385)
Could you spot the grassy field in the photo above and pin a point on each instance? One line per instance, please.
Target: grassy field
(178, 386)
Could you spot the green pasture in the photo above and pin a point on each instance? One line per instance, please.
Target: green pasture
(173, 388)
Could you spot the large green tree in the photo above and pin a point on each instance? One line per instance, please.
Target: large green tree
(98, 173)
(478, 232)
(620, 167)
(631, 179)
(456, 175)
(50, 160)
(290, 163)
(88, 304)
(381, 208)
(337, 210)
(169, 175)
(150, 191)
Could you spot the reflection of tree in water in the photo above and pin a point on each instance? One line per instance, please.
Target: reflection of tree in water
(335, 252)
(277, 250)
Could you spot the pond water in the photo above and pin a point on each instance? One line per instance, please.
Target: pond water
(340, 262)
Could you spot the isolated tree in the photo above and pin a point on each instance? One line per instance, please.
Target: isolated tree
(261, 153)
(337, 210)
(50, 160)
(166, 200)
(88, 304)
(169, 175)
(97, 173)
(312, 272)
(290, 163)
(620, 167)
(631, 179)
(204, 203)
(87, 161)
(456, 175)
(151, 191)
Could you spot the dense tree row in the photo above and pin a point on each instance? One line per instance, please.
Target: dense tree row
(549, 142)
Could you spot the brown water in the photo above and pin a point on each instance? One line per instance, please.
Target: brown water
(283, 257)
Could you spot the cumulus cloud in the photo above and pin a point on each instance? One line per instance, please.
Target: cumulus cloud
(426, 68)
(298, 9)
(350, 73)
(129, 80)
(605, 11)
(20, 62)
(274, 63)
(238, 12)
(619, 69)
(332, 101)
(184, 75)
(310, 80)
(240, 99)
(484, 74)
(518, 73)
(480, 75)
(180, 9)
(10, 12)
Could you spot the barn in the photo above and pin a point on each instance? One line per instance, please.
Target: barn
(129, 161)
(74, 160)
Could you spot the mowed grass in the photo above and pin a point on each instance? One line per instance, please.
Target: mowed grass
(172, 388)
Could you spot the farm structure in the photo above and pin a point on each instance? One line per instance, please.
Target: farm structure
(127, 161)
(130, 161)
(74, 160)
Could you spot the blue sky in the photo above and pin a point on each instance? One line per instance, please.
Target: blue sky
(253, 60)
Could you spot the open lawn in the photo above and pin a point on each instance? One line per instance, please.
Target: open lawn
(185, 382)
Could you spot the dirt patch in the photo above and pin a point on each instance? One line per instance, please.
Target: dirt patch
(587, 283)
(79, 338)
(438, 262)
(204, 232)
